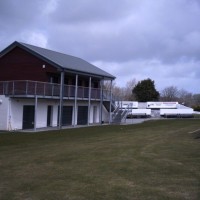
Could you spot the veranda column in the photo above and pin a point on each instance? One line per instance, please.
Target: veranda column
(89, 100)
(75, 101)
(101, 101)
(35, 114)
(110, 113)
(62, 75)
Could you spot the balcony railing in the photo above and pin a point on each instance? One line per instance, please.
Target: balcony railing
(32, 88)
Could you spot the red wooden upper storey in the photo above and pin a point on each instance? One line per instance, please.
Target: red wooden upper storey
(19, 64)
(21, 61)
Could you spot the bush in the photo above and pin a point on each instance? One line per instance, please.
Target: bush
(196, 108)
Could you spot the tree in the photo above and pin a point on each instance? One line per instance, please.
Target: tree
(196, 98)
(170, 94)
(185, 97)
(145, 91)
(116, 91)
(196, 102)
(121, 93)
(127, 90)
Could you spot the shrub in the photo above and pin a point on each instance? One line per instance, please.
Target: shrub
(196, 108)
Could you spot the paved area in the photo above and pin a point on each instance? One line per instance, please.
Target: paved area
(128, 121)
(137, 121)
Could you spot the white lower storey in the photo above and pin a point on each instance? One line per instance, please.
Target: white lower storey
(45, 112)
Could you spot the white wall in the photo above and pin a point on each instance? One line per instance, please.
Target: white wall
(13, 107)
(176, 111)
(125, 104)
(141, 111)
(4, 112)
(94, 115)
(16, 112)
(105, 115)
(168, 105)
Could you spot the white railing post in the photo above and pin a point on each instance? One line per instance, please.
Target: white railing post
(13, 87)
(26, 87)
(44, 88)
(3, 88)
(52, 88)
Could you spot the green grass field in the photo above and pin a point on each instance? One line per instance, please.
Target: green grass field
(154, 160)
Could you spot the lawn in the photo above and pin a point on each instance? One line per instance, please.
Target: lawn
(154, 160)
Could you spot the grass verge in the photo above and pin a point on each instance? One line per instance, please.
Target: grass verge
(153, 160)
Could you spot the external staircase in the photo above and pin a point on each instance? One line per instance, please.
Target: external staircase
(119, 114)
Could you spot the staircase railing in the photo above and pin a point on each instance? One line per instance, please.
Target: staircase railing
(115, 111)
(126, 111)
(120, 113)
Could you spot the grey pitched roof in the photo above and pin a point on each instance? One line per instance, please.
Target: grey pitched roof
(64, 61)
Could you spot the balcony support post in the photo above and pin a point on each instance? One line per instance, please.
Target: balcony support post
(35, 114)
(101, 101)
(75, 101)
(110, 112)
(89, 99)
(35, 88)
(61, 99)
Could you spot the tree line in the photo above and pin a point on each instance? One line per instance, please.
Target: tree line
(145, 90)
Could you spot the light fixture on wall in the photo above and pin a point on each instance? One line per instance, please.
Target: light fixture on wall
(43, 66)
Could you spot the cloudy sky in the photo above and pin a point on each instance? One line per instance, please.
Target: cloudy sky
(157, 39)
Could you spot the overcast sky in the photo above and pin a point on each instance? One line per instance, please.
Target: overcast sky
(157, 39)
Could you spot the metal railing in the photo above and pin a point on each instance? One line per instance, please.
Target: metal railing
(120, 113)
(27, 87)
(126, 111)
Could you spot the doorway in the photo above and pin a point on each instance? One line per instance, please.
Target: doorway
(95, 114)
(49, 115)
(28, 117)
(82, 115)
(67, 113)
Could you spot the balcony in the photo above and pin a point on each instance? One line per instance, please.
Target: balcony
(28, 88)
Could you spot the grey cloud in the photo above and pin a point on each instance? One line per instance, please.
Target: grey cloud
(183, 75)
(166, 30)
(88, 11)
(20, 13)
(142, 38)
(18, 18)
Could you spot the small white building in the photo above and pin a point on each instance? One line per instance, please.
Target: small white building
(157, 109)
